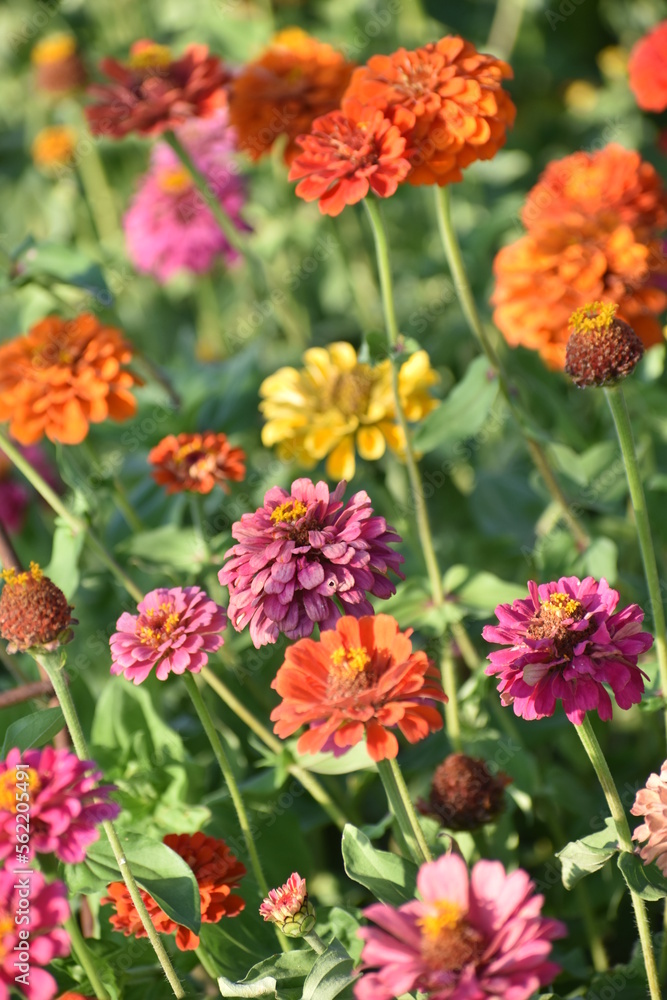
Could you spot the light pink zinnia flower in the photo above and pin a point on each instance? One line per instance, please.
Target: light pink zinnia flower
(565, 642)
(65, 803)
(289, 907)
(300, 551)
(168, 227)
(174, 631)
(651, 803)
(469, 937)
(47, 910)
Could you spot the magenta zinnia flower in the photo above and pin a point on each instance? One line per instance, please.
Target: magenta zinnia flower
(300, 551)
(65, 803)
(565, 642)
(174, 631)
(651, 803)
(469, 937)
(47, 910)
(168, 227)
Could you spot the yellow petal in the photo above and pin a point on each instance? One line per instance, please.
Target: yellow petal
(321, 441)
(370, 443)
(340, 463)
(343, 355)
(394, 436)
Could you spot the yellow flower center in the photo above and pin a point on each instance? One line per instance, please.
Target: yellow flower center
(174, 180)
(10, 786)
(593, 318)
(161, 624)
(348, 674)
(7, 926)
(352, 391)
(54, 146)
(563, 606)
(448, 941)
(288, 512)
(14, 579)
(53, 49)
(150, 57)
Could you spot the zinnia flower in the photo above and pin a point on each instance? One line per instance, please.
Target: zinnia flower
(217, 872)
(470, 937)
(294, 81)
(63, 376)
(565, 642)
(53, 148)
(361, 678)
(348, 153)
(300, 551)
(465, 794)
(601, 350)
(48, 910)
(65, 802)
(457, 110)
(651, 803)
(34, 612)
(336, 403)
(196, 462)
(289, 907)
(647, 69)
(58, 68)
(168, 226)
(154, 92)
(174, 631)
(593, 225)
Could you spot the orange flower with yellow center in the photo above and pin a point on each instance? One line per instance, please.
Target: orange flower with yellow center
(54, 147)
(196, 462)
(337, 404)
(58, 67)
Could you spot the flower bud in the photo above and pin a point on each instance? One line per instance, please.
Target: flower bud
(290, 908)
(464, 793)
(58, 67)
(33, 611)
(602, 349)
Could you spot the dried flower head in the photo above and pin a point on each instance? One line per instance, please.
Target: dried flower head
(53, 148)
(465, 794)
(196, 462)
(602, 349)
(33, 611)
(651, 803)
(58, 67)
(289, 907)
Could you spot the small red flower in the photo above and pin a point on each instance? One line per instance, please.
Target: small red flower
(647, 69)
(196, 462)
(348, 153)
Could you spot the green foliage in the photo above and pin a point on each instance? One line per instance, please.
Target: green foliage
(389, 877)
(581, 857)
(33, 730)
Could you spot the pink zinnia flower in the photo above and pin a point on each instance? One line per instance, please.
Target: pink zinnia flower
(174, 631)
(651, 803)
(168, 227)
(469, 937)
(65, 803)
(48, 911)
(565, 642)
(300, 551)
(288, 906)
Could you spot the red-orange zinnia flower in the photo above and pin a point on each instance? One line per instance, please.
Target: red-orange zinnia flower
(295, 80)
(62, 376)
(460, 112)
(359, 678)
(348, 153)
(153, 92)
(217, 872)
(647, 69)
(196, 462)
(593, 225)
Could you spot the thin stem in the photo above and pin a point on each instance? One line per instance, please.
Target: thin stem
(52, 665)
(315, 942)
(619, 411)
(505, 27)
(451, 706)
(98, 194)
(402, 808)
(596, 756)
(384, 270)
(85, 958)
(206, 962)
(305, 778)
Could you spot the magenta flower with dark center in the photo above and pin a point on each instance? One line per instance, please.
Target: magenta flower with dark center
(174, 631)
(472, 936)
(566, 642)
(305, 555)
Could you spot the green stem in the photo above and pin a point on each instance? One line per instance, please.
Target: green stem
(596, 756)
(228, 775)
(85, 958)
(305, 778)
(457, 269)
(505, 28)
(98, 194)
(206, 963)
(619, 411)
(51, 662)
(315, 942)
(402, 808)
(451, 706)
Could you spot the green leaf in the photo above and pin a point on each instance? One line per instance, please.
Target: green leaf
(330, 975)
(356, 759)
(272, 977)
(169, 545)
(122, 711)
(646, 880)
(157, 869)
(463, 413)
(63, 264)
(581, 857)
(65, 554)
(33, 730)
(389, 877)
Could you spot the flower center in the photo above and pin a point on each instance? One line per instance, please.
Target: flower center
(448, 941)
(553, 620)
(151, 56)
(9, 787)
(347, 673)
(174, 180)
(12, 579)
(53, 49)
(352, 391)
(289, 512)
(7, 926)
(593, 318)
(156, 626)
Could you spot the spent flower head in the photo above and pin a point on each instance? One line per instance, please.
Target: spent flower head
(34, 612)
(602, 348)
(465, 794)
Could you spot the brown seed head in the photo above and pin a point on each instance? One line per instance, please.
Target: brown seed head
(33, 611)
(464, 793)
(602, 349)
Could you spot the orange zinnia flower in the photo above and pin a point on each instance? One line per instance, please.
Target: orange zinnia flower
(196, 462)
(62, 376)
(593, 225)
(460, 113)
(217, 872)
(348, 153)
(359, 678)
(295, 80)
(58, 67)
(647, 69)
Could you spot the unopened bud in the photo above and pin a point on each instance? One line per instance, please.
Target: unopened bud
(290, 908)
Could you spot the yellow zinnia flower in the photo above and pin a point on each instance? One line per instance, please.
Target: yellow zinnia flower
(336, 404)
(54, 147)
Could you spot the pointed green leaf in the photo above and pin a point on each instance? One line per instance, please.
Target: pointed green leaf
(390, 878)
(581, 857)
(33, 731)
